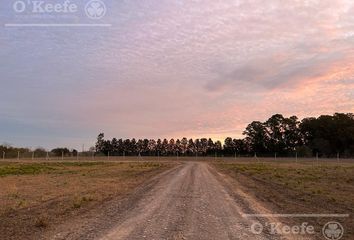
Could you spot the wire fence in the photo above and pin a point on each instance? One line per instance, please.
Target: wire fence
(256, 158)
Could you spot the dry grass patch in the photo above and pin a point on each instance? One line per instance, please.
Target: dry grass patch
(36, 196)
(299, 188)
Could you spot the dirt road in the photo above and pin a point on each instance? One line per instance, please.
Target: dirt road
(191, 201)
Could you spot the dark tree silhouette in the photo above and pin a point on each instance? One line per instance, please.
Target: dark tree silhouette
(325, 135)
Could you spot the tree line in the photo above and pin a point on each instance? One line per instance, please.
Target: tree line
(326, 136)
(8, 151)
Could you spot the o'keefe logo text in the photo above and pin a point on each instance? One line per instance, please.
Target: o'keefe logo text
(94, 9)
(44, 7)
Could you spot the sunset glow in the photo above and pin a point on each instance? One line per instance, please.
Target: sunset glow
(173, 69)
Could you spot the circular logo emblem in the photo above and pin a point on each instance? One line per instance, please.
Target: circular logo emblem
(333, 231)
(95, 9)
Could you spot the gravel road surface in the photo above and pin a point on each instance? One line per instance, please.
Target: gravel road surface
(192, 202)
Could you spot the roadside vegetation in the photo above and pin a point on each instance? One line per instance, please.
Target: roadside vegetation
(299, 188)
(35, 197)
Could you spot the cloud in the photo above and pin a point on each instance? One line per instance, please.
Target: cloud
(274, 73)
(174, 68)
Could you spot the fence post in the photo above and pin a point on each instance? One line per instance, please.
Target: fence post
(18, 155)
(296, 157)
(317, 158)
(255, 156)
(33, 155)
(3, 155)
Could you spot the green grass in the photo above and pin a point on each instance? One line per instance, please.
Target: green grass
(17, 169)
(24, 169)
(10, 169)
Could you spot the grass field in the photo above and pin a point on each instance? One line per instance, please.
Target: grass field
(38, 195)
(308, 187)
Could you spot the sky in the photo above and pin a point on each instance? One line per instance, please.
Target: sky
(171, 69)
